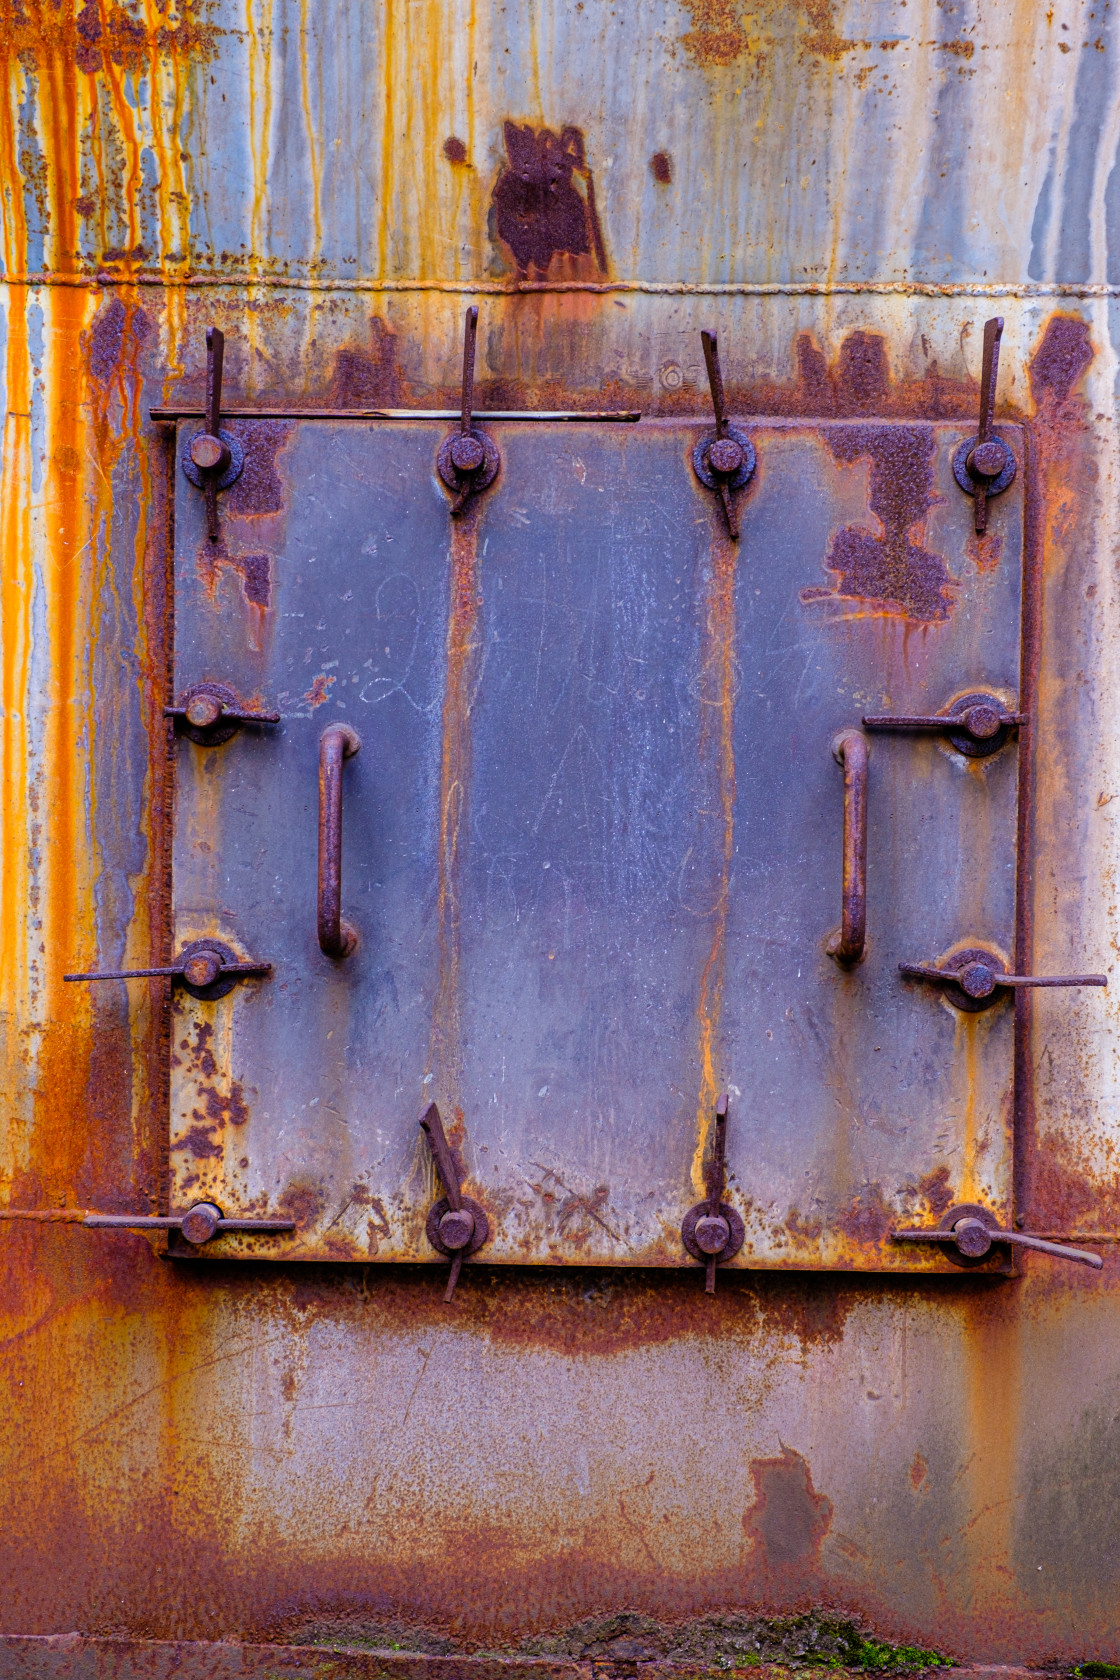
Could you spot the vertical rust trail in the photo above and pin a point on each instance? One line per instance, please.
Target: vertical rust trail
(465, 600)
(717, 756)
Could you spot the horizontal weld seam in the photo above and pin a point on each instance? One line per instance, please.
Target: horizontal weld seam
(656, 288)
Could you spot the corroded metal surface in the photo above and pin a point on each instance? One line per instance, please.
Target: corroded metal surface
(592, 842)
(191, 1451)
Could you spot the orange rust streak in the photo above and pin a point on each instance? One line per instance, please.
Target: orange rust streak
(15, 641)
(445, 1057)
(717, 721)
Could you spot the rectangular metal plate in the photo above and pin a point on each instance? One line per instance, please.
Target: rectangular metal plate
(592, 841)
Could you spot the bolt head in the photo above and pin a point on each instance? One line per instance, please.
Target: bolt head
(457, 1229)
(203, 710)
(202, 969)
(977, 979)
(987, 459)
(711, 1233)
(972, 1238)
(725, 457)
(982, 722)
(209, 452)
(467, 454)
(201, 1222)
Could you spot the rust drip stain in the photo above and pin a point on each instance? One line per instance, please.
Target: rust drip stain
(887, 572)
(539, 213)
(445, 1047)
(716, 750)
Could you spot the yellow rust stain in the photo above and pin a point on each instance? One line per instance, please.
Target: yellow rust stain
(717, 749)
(445, 1049)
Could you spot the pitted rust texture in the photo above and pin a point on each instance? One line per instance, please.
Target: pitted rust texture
(890, 572)
(80, 1309)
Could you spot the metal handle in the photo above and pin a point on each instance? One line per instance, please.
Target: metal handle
(973, 1230)
(979, 974)
(725, 459)
(213, 459)
(209, 450)
(338, 742)
(468, 461)
(456, 1225)
(198, 1224)
(851, 752)
(984, 466)
(206, 968)
(712, 1231)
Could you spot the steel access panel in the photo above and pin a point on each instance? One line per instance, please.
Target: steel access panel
(592, 842)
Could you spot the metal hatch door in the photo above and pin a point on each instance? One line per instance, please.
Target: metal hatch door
(591, 841)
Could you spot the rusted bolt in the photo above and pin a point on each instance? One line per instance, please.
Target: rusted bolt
(200, 1223)
(456, 1228)
(203, 710)
(468, 454)
(712, 1234)
(202, 969)
(209, 453)
(725, 457)
(977, 980)
(988, 459)
(972, 1238)
(982, 722)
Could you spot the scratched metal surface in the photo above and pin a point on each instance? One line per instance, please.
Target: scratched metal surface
(242, 1450)
(591, 843)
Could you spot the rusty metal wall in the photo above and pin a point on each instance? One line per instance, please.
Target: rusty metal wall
(846, 190)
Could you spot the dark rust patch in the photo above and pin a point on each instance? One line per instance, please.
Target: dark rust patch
(260, 489)
(200, 1052)
(222, 1110)
(254, 571)
(888, 571)
(200, 1142)
(936, 1191)
(661, 168)
(1066, 1197)
(863, 378)
(369, 378)
(789, 1518)
(539, 212)
(303, 1203)
(112, 326)
(868, 1218)
(256, 577)
(1061, 358)
(454, 149)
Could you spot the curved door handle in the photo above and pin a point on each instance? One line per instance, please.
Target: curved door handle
(338, 742)
(850, 751)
